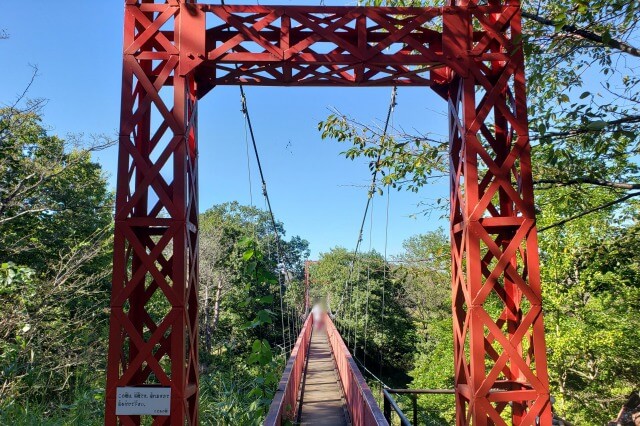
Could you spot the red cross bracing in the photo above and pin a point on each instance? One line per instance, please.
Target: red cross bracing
(470, 53)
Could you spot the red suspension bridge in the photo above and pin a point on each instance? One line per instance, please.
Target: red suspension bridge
(469, 52)
(322, 384)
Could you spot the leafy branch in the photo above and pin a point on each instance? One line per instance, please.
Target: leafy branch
(606, 40)
(593, 127)
(592, 210)
(591, 181)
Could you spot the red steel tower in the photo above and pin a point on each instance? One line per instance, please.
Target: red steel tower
(470, 53)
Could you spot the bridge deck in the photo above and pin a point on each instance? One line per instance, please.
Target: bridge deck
(322, 399)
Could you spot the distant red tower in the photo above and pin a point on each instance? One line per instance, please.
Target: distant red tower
(307, 283)
(176, 51)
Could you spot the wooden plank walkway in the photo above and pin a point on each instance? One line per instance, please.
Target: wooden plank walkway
(322, 400)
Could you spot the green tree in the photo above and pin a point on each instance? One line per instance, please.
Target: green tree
(425, 265)
(240, 388)
(591, 275)
(52, 195)
(241, 282)
(426, 262)
(584, 92)
(225, 229)
(359, 299)
(433, 369)
(55, 251)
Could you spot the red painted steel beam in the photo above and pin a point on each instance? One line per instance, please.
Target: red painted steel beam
(500, 357)
(284, 406)
(176, 51)
(319, 46)
(361, 404)
(324, 46)
(153, 339)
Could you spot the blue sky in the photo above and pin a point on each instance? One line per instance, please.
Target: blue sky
(315, 192)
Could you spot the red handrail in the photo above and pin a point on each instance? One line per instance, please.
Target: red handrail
(285, 401)
(362, 406)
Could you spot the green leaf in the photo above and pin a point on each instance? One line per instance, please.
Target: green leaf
(542, 129)
(264, 317)
(597, 125)
(250, 267)
(265, 299)
(248, 254)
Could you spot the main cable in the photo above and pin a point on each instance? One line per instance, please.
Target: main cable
(371, 193)
(366, 321)
(265, 193)
(372, 188)
(245, 111)
(384, 278)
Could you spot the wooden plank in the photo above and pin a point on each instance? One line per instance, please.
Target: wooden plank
(322, 401)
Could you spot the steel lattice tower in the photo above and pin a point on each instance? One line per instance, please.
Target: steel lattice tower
(470, 53)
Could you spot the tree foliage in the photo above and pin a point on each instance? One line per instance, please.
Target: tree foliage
(584, 100)
(242, 323)
(55, 233)
(591, 271)
(359, 296)
(425, 261)
(51, 193)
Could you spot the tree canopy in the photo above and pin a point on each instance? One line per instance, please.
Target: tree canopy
(55, 233)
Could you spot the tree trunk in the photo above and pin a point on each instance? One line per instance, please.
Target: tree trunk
(630, 413)
(207, 325)
(216, 306)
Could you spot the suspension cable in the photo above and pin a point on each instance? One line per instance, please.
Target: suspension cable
(348, 283)
(265, 193)
(351, 325)
(281, 260)
(366, 320)
(246, 142)
(384, 278)
(376, 378)
(384, 273)
(372, 188)
(355, 312)
(350, 314)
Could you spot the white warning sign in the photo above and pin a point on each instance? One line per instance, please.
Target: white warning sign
(140, 401)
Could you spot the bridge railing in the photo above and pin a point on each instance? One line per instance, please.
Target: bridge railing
(391, 404)
(285, 401)
(361, 404)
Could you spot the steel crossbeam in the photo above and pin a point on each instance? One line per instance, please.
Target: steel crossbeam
(176, 51)
(319, 46)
